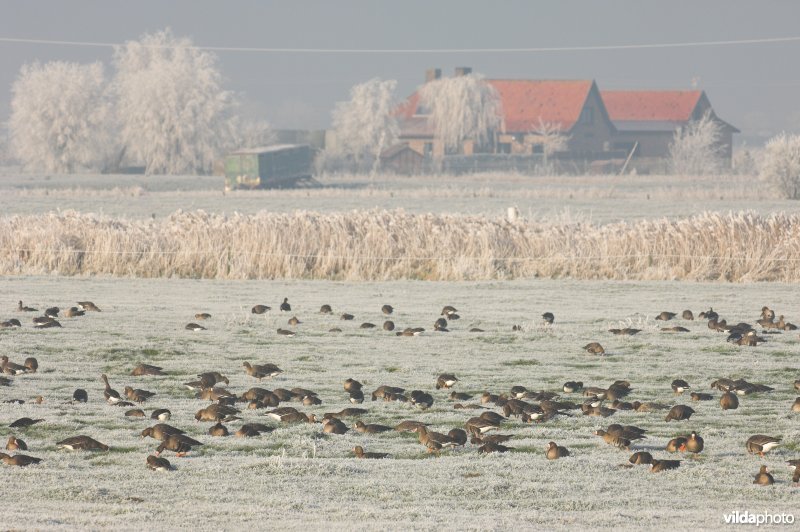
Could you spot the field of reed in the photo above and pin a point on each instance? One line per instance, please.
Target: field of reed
(384, 245)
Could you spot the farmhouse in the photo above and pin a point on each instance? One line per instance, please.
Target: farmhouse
(647, 120)
(598, 126)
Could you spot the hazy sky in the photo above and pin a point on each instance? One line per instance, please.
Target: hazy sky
(753, 87)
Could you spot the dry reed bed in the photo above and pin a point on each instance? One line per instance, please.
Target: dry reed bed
(378, 245)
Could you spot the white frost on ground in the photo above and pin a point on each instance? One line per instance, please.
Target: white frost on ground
(298, 478)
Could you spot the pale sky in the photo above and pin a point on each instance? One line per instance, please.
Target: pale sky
(752, 86)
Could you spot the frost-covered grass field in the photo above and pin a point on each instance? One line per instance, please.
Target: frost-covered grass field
(298, 478)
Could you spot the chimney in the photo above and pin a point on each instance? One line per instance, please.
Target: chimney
(433, 74)
(463, 71)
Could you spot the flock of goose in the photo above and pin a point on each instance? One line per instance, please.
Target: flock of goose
(518, 404)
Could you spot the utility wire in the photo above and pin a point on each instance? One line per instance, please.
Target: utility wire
(540, 49)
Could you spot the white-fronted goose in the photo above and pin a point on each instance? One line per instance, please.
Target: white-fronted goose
(346, 317)
(729, 401)
(23, 308)
(372, 428)
(479, 425)
(20, 460)
(694, 443)
(13, 322)
(388, 325)
(88, 306)
(202, 316)
(218, 430)
(157, 463)
(161, 414)
(381, 391)
(448, 310)
(426, 436)
(612, 440)
(134, 412)
(347, 412)
(421, 399)
(387, 309)
(687, 315)
(555, 451)
(760, 444)
(333, 425)
(260, 309)
(146, 369)
(460, 396)
(676, 445)
(796, 405)
(548, 318)
(48, 323)
(73, 312)
(12, 368)
(15, 444)
(572, 386)
(408, 426)
(665, 316)
(285, 306)
(697, 396)
(286, 332)
(763, 477)
(679, 413)
(492, 447)
(82, 443)
(641, 457)
(446, 380)
(367, 325)
(137, 395)
(217, 413)
(679, 386)
(594, 348)
(352, 385)
(52, 312)
(80, 396)
(177, 443)
(24, 422)
(627, 331)
(629, 432)
(325, 309)
(293, 321)
(676, 328)
(194, 327)
(160, 431)
(112, 396)
(458, 436)
(359, 452)
(657, 466)
(260, 371)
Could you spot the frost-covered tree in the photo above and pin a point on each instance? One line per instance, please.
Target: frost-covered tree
(696, 148)
(461, 108)
(61, 117)
(251, 133)
(551, 137)
(365, 124)
(781, 164)
(175, 115)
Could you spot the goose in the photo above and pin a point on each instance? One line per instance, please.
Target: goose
(665, 316)
(12, 368)
(146, 370)
(594, 348)
(20, 460)
(249, 430)
(729, 401)
(491, 447)
(426, 436)
(421, 399)
(657, 466)
(352, 385)
(388, 325)
(387, 309)
(572, 386)
(460, 396)
(763, 477)
(24, 422)
(697, 396)
(555, 451)
(446, 380)
(202, 316)
(194, 327)
(293, 321)
(359, 452)
(679, 413)
(347, 412)
(160, 431)
(161, 414)
(112, 396)
(52, 312)
(628, 432)
(13, 322)
(15, 444)
(796, 405)
(138, 395)
(796, 465)
(260, 309)
(23, 308)
(217, 413)
(74, 312)
(88, 306)
(80, 396)
(367, 325)
(82, 443)
(615, 441)
(260, 371)
(408, 426)
(676, 444)
(333, 425)
(641, 457)
(687, 315)
(325, 309)
(694, 444)
(677, 328)
(679, 386)
(371, 428)
(761, 444)
(478, 425)
(285, 306)
(135, 412)
(381, 391)
(548, 318)
(627, 331)
(448, 310)
(157, 463)
(209, 379)
(346, 317)
(286, 332)
(440, 325)
(178, 443)
(218, 430)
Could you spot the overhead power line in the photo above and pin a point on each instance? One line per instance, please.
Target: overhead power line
(540, 49)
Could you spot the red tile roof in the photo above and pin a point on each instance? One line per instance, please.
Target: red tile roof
(664, 106)
(524, 103)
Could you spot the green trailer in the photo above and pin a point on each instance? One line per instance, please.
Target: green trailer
(282, 165)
